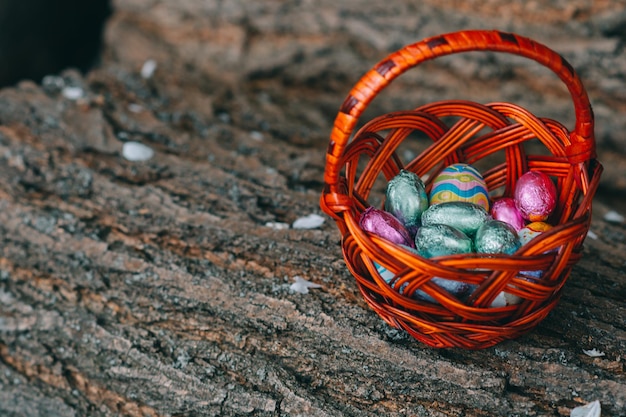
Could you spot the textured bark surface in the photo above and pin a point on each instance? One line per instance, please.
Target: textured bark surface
(157, 288)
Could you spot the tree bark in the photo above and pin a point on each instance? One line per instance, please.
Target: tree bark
(162, 287)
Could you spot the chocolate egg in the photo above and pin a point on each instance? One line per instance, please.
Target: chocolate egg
(532, 230)
(527, 234)
(385, 225)
(457, 288)
(496, 236)
(535, 196)
(463, 215)
(460, 182)
(506, 210)
(406, 198)
(441, 239)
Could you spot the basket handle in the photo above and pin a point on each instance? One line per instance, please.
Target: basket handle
(582, 140)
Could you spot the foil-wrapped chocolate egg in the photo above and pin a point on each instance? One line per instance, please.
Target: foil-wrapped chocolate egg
(527, 234)
(463, 215)
(505, 209)
(457, 288)
(535, 196)
(460, 182)
(496, 236)
(406, 198)
(385, 225)
(441, 239)
(532, 230)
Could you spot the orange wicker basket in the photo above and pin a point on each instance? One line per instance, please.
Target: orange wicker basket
(467, 132)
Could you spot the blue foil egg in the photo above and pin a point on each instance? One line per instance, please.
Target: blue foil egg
(440, 240)
(457, 288)
(406, 198)
(462, 215)
(496, 236)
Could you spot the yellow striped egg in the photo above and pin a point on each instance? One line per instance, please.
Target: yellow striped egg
(460, 182)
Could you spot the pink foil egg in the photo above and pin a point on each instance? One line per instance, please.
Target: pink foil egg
(385, 225)
(506, 210)
(535, 196)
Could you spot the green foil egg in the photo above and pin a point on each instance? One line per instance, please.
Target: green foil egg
(463, 215)
(440, 240)
(496, 236)
(406, 198)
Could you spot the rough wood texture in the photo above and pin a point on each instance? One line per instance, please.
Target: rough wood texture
(156, 288)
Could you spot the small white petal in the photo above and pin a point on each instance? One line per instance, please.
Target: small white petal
(72, 93)
(614, 217)
(592, 235)
(593, 409)
(312, 221)
(135, 151)
(277, 225)
(135, 108)
(594, 353)
(256, 135)
(148, 68)
(302, 286)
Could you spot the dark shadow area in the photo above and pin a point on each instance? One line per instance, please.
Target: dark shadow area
(40, 37)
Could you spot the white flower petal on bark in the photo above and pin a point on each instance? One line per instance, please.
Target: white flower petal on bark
(593, 409)
(312, 221)
(302, 286)
(135, 151)
(594, 353)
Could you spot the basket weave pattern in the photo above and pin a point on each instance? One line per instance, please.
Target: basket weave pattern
(468, 132)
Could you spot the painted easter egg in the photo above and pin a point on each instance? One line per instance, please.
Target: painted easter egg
(385, 225)
(532, 230)
(496, 236)
(535, 196)
(406, 198)
(463, 215)
(441, 239)
(460, 182)
(505, 209)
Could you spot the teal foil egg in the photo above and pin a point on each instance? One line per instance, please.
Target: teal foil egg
(465, 216)
(496, 236)
(457, 288)
(406, 198)
(460, 182)
(440, 240)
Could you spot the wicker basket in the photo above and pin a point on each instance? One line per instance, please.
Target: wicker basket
(462, 131)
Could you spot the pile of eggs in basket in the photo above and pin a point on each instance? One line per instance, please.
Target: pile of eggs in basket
(457, 217)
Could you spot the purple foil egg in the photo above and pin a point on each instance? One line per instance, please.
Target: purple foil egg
(385, 225)
(535, 196)
(506, 210)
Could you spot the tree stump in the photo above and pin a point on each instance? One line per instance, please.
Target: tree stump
(163, 287)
